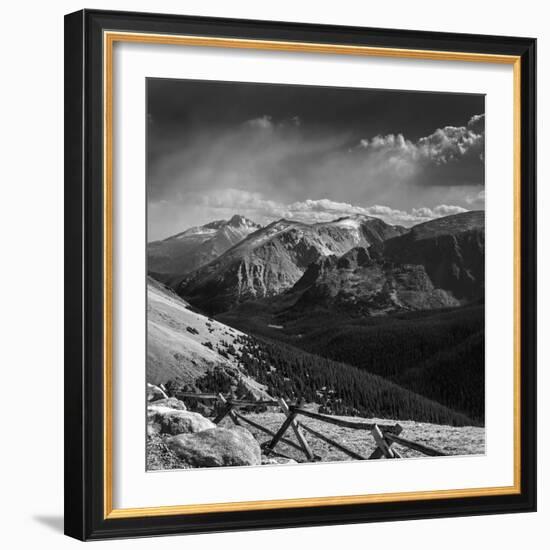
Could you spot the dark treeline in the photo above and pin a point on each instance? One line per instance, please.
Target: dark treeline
(437, 354)
(455, 377)
(441, 357)
(337, 387)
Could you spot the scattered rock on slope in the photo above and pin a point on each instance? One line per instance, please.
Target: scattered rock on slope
(176, 353)
(217, 447)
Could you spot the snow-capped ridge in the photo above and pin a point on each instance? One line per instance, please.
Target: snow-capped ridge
(197, 245)
(272, 259)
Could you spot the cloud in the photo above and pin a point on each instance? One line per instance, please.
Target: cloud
(226, 202)
(452, 143)
(244, 202)
(266, 122)
(476, 200)
(266, 167)
(445, 145)
(327, 210)
(261, 123)
(477, 124)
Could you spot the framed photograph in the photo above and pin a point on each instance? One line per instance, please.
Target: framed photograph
(300, 275)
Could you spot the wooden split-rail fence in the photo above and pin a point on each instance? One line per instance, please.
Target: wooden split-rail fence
(384, 435)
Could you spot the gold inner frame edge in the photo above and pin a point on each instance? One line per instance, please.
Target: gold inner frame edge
(109, 39)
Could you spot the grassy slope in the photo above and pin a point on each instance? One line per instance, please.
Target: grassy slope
(175, 352)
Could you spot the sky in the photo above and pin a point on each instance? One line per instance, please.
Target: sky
(308, 153)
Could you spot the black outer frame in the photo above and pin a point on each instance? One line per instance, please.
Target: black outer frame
(84, 517)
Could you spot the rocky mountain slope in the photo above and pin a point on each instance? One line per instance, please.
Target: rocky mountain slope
(451, 249)
(184, 344)
(367, 284)
(273, 259)
(437, 264)
(197, 246)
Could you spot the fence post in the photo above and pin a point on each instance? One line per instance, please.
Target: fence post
(381, 442)
(269, 432)
(231, 412)
(299, 435)
(277, 437)
(377, 453)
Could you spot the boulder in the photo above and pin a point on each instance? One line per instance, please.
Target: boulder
(154, 393)
(172, 421)
(217, 447)
(203, 409)
(171, 403)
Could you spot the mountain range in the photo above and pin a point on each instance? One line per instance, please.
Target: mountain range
(403, 304)
(273, 259)
(435, 265)
(196, 246)
(357, 262)
(451, 249)
(365, 284)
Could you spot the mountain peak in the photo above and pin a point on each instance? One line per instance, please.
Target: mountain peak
(237, 220)
(282, 223)
(197, 245)
(216, 224)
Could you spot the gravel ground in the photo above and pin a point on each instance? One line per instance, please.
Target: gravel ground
(448, 439)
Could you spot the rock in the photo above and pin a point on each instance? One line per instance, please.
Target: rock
(217, 447)
(172, 421)
(154, 393)
(203, 409)
(171, 403)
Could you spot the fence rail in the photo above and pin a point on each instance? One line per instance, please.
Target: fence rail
(345, 423)
(384, 435)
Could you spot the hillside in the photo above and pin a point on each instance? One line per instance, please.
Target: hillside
(183, 344)
(185, 348)
(337, 387)
(271, 260)
(451, 249)
(196, 246)
(369, 285)
(438, 354)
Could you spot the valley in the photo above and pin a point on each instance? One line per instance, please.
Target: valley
(354, 318)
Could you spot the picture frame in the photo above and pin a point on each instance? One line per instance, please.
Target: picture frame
(90, 204)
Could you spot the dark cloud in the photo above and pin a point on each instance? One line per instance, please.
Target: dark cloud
(216, 148)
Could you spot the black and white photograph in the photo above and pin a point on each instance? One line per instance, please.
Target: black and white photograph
(315, 274)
